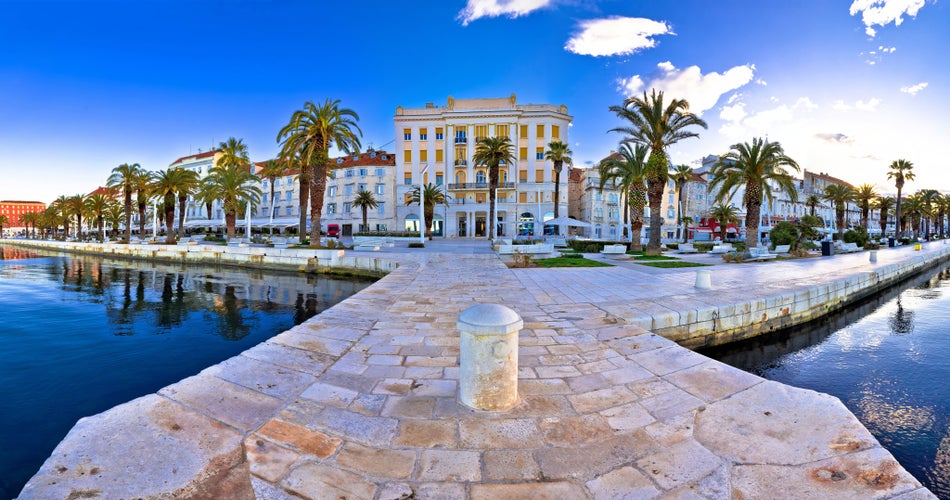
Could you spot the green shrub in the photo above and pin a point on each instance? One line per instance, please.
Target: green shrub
(572, 255)
(703, 247)
(905, 241)
(784, 233)
(857, 235)
(673, 246)
(416, 244)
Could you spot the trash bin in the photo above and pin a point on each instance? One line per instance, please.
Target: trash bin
(827, 249)
(890, 242)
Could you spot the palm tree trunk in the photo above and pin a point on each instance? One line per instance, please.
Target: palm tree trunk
(655, 195)
(229, 220)
(557, 192)
(492, 185)
(170, 224)
(365, 213)
(181, 217)
(752, 213)
(318, 187)
(306, 172)
(128, 216)
(897, 213)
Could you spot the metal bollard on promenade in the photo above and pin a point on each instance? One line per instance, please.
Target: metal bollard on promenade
(488, 357)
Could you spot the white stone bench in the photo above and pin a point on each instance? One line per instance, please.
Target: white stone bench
(614, 250)
(687, 248)
(721, 249)
(365, 247)
(558, 241)
(758, 253)
(849, 248)
(782, 248)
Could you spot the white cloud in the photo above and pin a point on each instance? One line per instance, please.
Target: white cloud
(804, 102)
(883, 12)
(615, 36)
(886, 50)
(735, 96)
(733, 113)
(838, 138)
(913, 89)
(869, 105)
(476, 9)
(761, 82)
(701, 91)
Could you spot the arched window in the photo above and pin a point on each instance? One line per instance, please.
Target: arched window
(412, 222)
(480, 177)
(460, 177)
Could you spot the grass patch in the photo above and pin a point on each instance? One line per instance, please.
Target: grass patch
(569, 262)
(670, 264)
(654, 257)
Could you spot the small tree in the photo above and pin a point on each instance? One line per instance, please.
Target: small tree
(784, 233)
(365, 200)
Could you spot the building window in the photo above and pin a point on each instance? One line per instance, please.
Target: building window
(363, 172)
(438, 155)
(480, 177)
(539, 176)
(349, 172)
(289, 196)
(380, 189)
(612, 213)
(539, 154)
(524, 131)
(555, 132)
(347, 207)
(348, 190)
(407, 178)
(522, 153)
(439, 179)
(501, 130)
(460, 135)
(481, 132)
(613, 198)
(407, 134)
(423, 155)
(277, 182)
(361, 187)
(599, 212)
(438, 134)
(407, 156)
(331, 192)
(331, 208)
(598, 196)
(263, 199)
(522, 176)
(380, 208)
(289, 211)
(522, 197)
(423, 134)
(540, 131)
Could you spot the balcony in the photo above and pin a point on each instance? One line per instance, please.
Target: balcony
(461, 140)
(461, 163)
(479, 185)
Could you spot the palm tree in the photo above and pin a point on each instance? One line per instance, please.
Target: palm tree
(864, 196)
(29, 220)
(308, 136)
(839, 195)
(205, 196)
(187, 181)
(945, 209)
(491, 152)
(169, 184)
(365, 200)
(884, 204)
(724, 214)
(753, 166)
(114, 215)
(900, 171)
(559, 153)
(930, 201)
(687, 220)
(626, 169)
(272, 170)
(656, 127)
(433, 196)
(913, 211)
(124, 176)
(811, 202)
(680, 174)
(233, 185)
(96, 206)
(142, 183)
(4, 221)
(60, 207)
(76, 205)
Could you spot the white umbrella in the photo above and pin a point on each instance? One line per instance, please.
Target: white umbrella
(565, 221)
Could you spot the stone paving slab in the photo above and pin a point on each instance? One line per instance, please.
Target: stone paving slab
(607, 408)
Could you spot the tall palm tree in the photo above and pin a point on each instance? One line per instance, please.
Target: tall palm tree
(864, 196)
(900, 170)
(559, 154)
(656, 127)
(627, 170)
(491, 152)
(142, 184)
(96, 206)
(234, 185)
(724, 214)
(4, 221)
(273, 170)
(945, 206)
(60, 207)
(29, 220)
(114, 215)
(76, 206)
(234, 159)
(681, 174)
(913, 212)
(753, 166)
(811, 202)
(433, 196)
(365, 200)
(839, 195)
(884, 204)
(204, 195)
(930, 200)
(124, 177)
(169, 185)
(308, 136)
(687, 220)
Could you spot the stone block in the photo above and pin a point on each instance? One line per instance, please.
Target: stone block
(300, 437)
(620, 484)
(318, 481)
(450, 465)
(379, 462)
(539, 491)
(230, 403)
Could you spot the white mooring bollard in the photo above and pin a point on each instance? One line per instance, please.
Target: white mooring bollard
(703, 281)
(873, 256)
(488, 357)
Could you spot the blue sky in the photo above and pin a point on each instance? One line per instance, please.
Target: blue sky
(846, 87)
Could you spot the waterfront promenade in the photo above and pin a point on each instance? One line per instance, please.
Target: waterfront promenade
(360, 401)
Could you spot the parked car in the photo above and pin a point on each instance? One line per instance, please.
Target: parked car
(333, 230)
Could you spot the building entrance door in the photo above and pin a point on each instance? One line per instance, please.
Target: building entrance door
(479, 226)
(463, 227)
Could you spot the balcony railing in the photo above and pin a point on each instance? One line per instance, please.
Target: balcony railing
(461, 140)
(479, 185)
(461, 163)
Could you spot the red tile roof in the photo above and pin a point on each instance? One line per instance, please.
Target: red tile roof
(365, 160)
(206, 154)
(103, 191)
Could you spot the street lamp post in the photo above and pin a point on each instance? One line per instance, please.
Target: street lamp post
(154, 221)
(422, 204)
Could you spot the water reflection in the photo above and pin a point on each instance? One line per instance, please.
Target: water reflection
(902, 322)
(82, 334)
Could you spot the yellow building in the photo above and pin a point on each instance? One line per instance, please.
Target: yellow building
(435, 144)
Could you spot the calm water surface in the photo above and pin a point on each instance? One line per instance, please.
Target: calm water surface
(887, 359)
(80, 335)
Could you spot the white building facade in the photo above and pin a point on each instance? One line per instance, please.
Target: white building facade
(435, 144)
